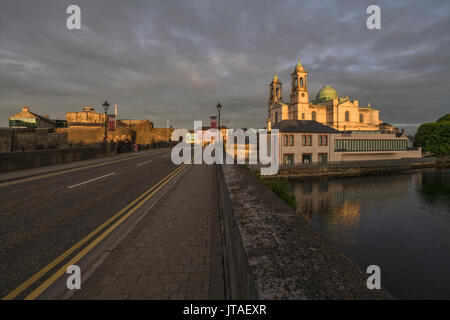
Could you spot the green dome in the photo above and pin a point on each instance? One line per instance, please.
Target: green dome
(327, 93)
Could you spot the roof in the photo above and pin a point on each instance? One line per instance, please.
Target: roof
(26, 113)
(299, 67)
(327, 93)
(307, 126)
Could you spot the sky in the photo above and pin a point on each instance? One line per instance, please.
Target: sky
(174, 60)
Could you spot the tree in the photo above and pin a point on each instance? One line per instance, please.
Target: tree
(435, 136)
(445, 118)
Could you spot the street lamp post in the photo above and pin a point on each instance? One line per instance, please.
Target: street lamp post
(219, 108)
(106, 106)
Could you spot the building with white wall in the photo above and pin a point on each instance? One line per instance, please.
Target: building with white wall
(308, 141)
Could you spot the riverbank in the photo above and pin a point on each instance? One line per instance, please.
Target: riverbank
(309, 172)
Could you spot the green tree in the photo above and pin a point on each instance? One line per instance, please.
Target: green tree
(445, 118)
(435, 136)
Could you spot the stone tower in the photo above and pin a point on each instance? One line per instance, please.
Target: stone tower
(299, 103)
(276, 94)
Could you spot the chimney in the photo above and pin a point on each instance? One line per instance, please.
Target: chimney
(25, 109)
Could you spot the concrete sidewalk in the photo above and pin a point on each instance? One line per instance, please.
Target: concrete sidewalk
(174, 252)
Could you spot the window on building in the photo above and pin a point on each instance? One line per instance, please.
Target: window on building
(301, 82)
(306, 158)
(288, 140)
(276, 116)
(307, 140)
(295, 83)
(288, 158)
(303, 116)
(361, 118)
(313, 115)
(323, 157)
(347, 116)
(369, 145)
(323, 141)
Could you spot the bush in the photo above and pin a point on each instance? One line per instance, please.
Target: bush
(283, 190)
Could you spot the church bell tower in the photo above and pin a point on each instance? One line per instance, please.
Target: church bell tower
(276, 94)
(299, 103)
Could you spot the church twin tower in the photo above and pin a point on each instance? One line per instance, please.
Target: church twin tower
(299, 101)
(327, 108)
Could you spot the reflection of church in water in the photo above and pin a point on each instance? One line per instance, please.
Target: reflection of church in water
(341, 199)
(328, 108)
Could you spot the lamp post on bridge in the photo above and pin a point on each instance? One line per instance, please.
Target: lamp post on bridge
(219, 109)
(106, 106)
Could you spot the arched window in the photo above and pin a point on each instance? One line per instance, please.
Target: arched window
(295, 83)
(301, 82)
(347, 116)
(313, 115)
(278, 92)
(361, 118)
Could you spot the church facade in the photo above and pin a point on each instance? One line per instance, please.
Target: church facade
(327, 108)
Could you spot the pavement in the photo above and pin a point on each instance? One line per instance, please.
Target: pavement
(173, 253)
(49, 215)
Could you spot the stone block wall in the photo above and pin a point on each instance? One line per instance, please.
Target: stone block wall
(18, 139)
(11, 161)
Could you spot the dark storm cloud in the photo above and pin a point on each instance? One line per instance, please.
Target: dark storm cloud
(175, 59)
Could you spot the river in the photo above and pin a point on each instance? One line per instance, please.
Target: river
(399, 222)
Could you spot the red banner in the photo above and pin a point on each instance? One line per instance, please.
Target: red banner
(111, 122)
(213, 122)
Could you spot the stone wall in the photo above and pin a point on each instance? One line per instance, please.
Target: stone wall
(11, 161)
(147, 134)
(6, 136)
(25, 139)
(62, 138)
(79, 135)
(348, 169)
(29, 141)
(142, 133)
(270, 252)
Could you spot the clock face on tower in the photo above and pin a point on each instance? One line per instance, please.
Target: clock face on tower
(303, 94)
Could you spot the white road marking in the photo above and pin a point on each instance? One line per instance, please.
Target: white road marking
(92, 180)
(141, 164)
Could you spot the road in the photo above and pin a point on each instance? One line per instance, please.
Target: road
(43, 216)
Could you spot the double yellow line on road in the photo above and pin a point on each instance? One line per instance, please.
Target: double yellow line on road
(134, 205)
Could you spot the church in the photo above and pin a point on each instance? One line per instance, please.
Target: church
(328, 108)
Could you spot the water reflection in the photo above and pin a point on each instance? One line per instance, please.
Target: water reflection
(400, 222)
(435, 190)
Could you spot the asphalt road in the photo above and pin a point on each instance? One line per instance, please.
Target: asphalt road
(41, 219)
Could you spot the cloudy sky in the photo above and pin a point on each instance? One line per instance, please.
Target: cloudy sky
(176, 59)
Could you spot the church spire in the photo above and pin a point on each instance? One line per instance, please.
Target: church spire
(299, 66)
(275, 78)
